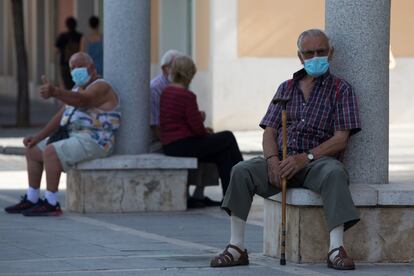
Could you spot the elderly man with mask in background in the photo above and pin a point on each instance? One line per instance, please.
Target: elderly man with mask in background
(157, 85)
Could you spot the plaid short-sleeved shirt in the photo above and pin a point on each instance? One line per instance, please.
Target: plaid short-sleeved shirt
(331, 106)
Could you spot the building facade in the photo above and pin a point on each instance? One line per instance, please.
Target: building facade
(243, 49)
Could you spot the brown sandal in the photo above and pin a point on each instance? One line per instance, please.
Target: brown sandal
(341, 261)
(226, 259)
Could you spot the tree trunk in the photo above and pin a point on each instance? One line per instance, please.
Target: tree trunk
(23, 104)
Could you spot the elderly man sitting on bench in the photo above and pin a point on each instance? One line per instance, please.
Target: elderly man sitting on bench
(321, 115)
(87, 125)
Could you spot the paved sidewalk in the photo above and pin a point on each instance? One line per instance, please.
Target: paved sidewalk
(176, 243)
(172, 243)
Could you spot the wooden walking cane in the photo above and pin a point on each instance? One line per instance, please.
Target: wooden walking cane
(283, 102)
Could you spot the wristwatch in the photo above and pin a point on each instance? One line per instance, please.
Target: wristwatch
(310, 156)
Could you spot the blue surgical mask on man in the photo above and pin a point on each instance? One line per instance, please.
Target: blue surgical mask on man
(316, 66)
(80, 76)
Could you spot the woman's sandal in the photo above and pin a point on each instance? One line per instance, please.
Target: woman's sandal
(341, 261)
(226, 259)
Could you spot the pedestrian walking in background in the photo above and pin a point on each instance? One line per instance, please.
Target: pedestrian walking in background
(67, 44)
(92, 43)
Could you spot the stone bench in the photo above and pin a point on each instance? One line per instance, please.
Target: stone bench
(384, 234)
(129, 183)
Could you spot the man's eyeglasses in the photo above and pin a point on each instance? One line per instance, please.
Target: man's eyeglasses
(318, 52)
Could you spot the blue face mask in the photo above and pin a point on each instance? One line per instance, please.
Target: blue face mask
(80, 76)
(316, 66)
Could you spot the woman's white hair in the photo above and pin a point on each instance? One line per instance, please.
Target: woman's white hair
(182, 69)
(312, 32)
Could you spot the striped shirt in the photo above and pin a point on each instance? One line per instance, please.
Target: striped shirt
(331, 106)
(99, 125)
(157, 85)
(180, 117)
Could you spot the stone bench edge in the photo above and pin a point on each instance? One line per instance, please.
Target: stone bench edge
(140, 161)
(362, 194)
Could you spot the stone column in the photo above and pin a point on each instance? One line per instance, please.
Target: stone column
(127, 67)
(360, 33)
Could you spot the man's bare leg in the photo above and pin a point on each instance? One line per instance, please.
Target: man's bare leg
(53, 170)
(34, 159)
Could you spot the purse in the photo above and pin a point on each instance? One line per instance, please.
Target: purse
(62, 132)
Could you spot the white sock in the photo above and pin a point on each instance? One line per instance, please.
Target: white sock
(198, 192)
(237, 235)
(336, 240)
(51, 197)
(33, 194)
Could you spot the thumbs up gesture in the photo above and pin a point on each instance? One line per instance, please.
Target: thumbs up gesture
(47, 90)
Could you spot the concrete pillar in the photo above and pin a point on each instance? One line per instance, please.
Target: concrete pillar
(127, 67)
(360, 33)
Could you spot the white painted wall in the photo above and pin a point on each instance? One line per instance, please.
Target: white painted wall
(242, 88)
(201, 86)
(402, 91)
(175, 26)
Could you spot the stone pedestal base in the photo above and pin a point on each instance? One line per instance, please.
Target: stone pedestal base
(384, 234)
(129, 184)
(205, 175)
(126, 191)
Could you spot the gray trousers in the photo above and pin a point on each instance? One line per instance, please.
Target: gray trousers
(325, 176)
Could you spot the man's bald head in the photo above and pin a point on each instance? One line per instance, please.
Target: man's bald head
(80, 59)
